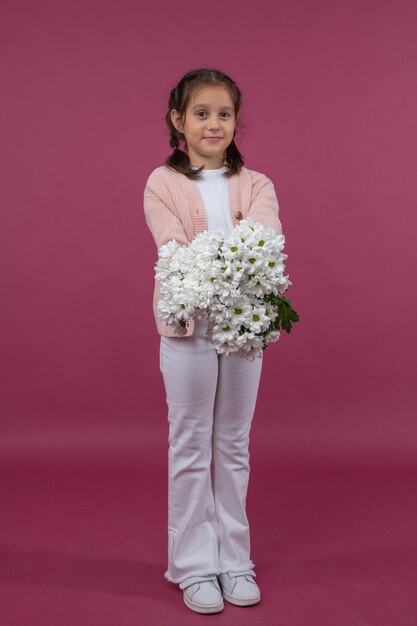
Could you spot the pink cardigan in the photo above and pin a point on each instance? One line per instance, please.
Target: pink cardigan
(174, 209)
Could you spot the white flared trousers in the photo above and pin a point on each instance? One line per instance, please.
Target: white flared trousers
(211, 401)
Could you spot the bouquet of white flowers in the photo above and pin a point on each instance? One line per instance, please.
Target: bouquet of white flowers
(236, 280)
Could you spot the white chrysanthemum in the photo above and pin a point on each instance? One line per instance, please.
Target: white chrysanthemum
(254, 259)
(233, 248)
(271, 311)
(224, 336)
(258, 321)
(241, 311)
(227, 292)
(249, 341)
(168, 250)
(281, 284)
(226, 277)
(205, 246)
(272, 336)
(258, 285)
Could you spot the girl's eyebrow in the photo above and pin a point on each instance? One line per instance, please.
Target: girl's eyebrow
(205, 106)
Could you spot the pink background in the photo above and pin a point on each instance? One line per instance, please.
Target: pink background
(329, 108)
(329, 111)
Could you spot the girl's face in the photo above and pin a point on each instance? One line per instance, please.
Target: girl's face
(208, 126)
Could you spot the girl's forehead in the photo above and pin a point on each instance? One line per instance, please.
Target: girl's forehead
(211, 94)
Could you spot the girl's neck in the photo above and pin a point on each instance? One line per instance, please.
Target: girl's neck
(209, 165)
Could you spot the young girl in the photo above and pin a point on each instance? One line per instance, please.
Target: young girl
(204, 185)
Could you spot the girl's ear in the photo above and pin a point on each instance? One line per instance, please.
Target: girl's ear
(176, 119)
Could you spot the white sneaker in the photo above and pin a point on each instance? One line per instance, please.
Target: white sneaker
(240, 589)
(202, 594)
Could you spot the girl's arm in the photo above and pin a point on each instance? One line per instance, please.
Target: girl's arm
(161, 220)
(264, 206)
(164, 226)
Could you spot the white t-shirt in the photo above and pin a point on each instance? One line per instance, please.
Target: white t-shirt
(214, 190)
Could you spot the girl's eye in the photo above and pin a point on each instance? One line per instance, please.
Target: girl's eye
(223, 114)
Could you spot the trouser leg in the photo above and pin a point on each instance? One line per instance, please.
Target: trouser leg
(237, 389)
(190, 366)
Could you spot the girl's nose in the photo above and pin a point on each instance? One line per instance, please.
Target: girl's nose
(213, 122)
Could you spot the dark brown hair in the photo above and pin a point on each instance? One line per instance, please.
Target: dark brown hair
(179, 99)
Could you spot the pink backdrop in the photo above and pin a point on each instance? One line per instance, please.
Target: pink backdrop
(329, 114)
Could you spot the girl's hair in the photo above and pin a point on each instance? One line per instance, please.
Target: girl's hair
(179, 99)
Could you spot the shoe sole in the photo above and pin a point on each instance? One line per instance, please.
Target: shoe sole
(240, 601)
(198, 608)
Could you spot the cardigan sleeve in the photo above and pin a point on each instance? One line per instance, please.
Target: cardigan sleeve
(164, 225)
(264, 207)
(160, 217)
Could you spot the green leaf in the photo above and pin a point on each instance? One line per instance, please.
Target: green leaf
(286, 314)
